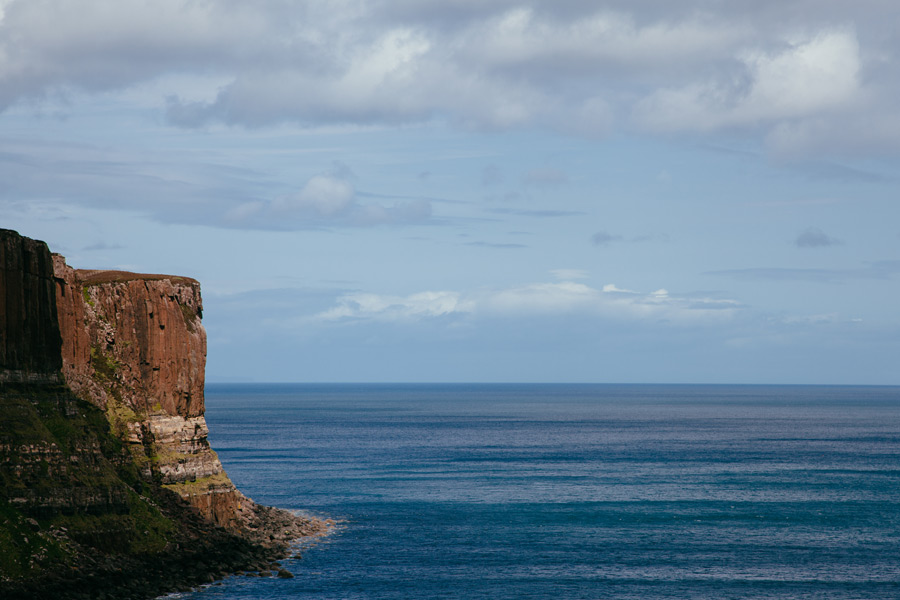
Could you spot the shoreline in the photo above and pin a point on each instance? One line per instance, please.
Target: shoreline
(204, 555)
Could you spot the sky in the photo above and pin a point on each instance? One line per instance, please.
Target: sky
(477, 191)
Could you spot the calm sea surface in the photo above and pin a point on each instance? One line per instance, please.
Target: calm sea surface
(572, 491)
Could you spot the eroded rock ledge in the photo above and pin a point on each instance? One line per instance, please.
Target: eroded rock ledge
(103, 442)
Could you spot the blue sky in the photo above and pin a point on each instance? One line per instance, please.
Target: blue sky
(477, 191)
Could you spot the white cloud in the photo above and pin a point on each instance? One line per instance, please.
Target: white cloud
(810, 76)
(535, 300)
(823, 319)
(325, 200)
(323, 196)
(569, 274)
(611, 288)
(394, 308)
(804, 79)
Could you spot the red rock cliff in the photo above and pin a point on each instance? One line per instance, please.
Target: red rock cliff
(78, 515)
(134, 345)
(144, 327)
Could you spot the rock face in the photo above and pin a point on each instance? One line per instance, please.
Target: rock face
(29, 332)
(103, 443)
(145, 328)
(133, 345)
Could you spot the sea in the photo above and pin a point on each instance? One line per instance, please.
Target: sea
(500, 491)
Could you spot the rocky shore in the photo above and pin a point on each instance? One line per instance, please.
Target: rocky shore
(108, 485)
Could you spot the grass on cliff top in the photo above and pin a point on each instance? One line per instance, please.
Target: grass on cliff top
(96, 277)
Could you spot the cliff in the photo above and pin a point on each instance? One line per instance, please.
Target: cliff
(29, 331)
(133, 345)
(103, 443)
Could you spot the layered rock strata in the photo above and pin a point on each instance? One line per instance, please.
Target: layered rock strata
(105, 466)
(133, 344)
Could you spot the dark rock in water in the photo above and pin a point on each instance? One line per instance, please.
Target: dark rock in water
(285, 574)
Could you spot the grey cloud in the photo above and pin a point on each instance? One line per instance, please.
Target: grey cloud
(503, 246)
(103, 246)
(536, 212)
(604, 238)
(545, 177)
(99, 178)
(884, 269)
(813, 237)
(837, 172)
(201, 193)
(658, 66)
(657, 237)
(325, 201)
(491, 175)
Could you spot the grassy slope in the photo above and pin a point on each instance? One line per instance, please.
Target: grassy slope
(90, 526)
(80, 485)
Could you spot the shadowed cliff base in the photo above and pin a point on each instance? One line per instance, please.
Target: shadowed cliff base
(109, 486)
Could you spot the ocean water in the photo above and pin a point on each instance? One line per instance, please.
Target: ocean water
(572, 491)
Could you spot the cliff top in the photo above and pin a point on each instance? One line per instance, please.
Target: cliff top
(95, 276)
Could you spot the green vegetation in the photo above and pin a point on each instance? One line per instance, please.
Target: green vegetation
(87, 297)
(198, 486)
(105, 367)
(119, 415)
(140, 529)
(67, 480)
(25, 549)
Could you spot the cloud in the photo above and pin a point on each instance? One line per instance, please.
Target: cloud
(813, 237)
(569, 274)
(323, 196)
(564, 298)
(545, 177)
(491, 175)
(884, 269)
(604, 238)
(325, 200)
(821, 319)
(804, 79)
(802, 75)
(539, 213)
(504, 246)
(360, 306)
(102, 246)
(173, 189)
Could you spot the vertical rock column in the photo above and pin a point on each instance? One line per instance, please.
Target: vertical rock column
(29, 332)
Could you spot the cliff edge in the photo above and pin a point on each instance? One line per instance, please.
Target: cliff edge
(108, 479)
(29, 330)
